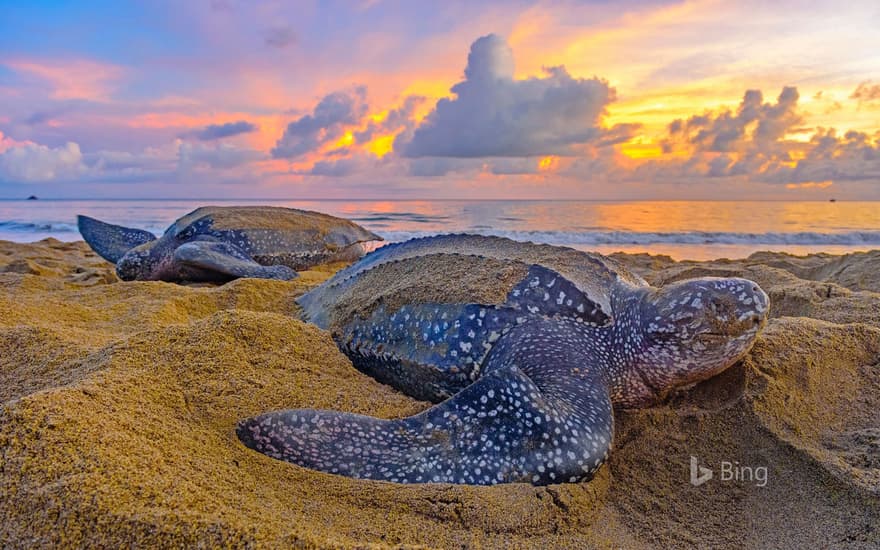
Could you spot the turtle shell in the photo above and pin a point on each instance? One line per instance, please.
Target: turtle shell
(424, 314)
(274, 235)
(470, 269)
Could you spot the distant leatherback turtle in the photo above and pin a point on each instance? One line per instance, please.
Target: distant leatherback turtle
(526, 348)
(220, 243)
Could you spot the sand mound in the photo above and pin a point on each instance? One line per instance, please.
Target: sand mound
(118, 403)
(853, 298)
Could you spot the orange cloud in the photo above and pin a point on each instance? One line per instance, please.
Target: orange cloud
(548, 164)
(810, 185)
(641, 149)
(346, 140)
(381, 146)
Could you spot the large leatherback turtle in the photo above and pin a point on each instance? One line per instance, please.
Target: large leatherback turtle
(526, 348)
(220, 243)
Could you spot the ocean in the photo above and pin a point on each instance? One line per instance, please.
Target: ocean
(695, 230)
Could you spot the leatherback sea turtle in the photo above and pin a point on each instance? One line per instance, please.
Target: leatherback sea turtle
(526, 348)
(220, 243)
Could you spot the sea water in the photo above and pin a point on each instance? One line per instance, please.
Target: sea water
(682, 229)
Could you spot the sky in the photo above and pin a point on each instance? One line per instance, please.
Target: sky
(509, 99)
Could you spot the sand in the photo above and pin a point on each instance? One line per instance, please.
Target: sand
(118, 403)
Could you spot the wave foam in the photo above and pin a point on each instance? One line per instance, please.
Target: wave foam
(38, 227)
(852, 238)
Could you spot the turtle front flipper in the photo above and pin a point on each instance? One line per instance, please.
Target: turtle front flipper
(218, 260)
(508, 426)
(109, 241)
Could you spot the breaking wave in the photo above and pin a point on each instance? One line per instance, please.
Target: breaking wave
(37, 227)
(852, 238)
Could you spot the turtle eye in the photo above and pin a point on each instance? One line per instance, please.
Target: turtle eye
(186, 233)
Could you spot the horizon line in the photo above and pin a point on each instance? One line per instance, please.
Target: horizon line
(312, 199)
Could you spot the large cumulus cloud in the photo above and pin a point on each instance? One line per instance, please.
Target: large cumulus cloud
(756, 142)
(853, 156)
(755, 125)
(495, 115)
(33, 162)
(177, 161)
(396, 122)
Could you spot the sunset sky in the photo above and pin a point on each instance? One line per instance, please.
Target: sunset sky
(380, 99)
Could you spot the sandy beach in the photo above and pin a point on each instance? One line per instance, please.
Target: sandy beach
(118, 403)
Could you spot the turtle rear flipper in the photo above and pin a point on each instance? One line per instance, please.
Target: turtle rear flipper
(109, 241)
(221, 260)
(505, 427)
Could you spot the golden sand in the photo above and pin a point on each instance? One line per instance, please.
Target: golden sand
(118, 403)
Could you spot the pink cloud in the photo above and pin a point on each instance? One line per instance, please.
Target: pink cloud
(72, 79)
(7, 142)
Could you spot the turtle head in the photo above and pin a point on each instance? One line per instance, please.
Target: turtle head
(138, 264)
(694, 329)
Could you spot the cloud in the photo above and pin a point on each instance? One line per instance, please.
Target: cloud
(755, 125)
(339, 167)
(280, 37)
(7, 142)
(866, 92)
(39, 117)
(426, 167)
(149, 160)
(495, 115)
(34, 163)
(754, 143)
(173, 161)
(223, 156)
(399, 120)
(326, 124)
(229, 129)
(854, 156)
(72, 79)
(221, 5)
(511, 166)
